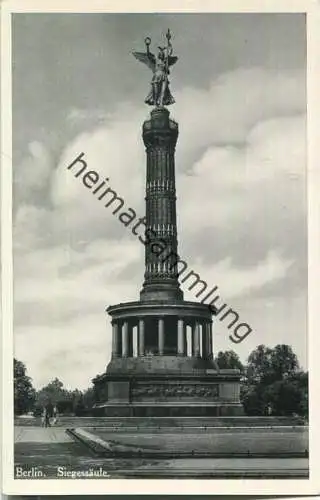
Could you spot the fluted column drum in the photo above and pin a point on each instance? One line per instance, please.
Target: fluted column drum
(160, 135)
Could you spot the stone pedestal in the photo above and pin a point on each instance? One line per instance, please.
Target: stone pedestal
(199, 392)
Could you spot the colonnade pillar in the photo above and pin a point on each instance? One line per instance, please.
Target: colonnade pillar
(181, 340)
(161, 336)
(204, 340)
(125, 338)
(196, 339)
(209, 340)
(141, 351)
(130, 338)
(115, 339)
(185, 340)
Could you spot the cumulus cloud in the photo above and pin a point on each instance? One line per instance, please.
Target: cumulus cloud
(234, 281)
(77, 116)
(32, 176)
(63, 350)
(233, 104)
(237, 179)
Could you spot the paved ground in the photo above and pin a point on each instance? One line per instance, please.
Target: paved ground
(50, 453)
(41, 435)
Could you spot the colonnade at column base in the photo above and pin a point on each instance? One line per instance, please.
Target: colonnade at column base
(162, 363)
(161, 328)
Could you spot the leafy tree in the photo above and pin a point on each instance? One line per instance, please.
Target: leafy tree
(302, 380)
(259, 362)
(53, 394)
(266, 365)
(284, 397)
(68, 402)
(78, 405)
(252, 399)
(89, 399)
(76, 400)
(24, 393)
(229, 359)
(274, 383)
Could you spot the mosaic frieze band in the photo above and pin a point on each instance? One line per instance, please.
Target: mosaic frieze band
(164, 391)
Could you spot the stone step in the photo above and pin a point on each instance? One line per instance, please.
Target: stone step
(163, 422)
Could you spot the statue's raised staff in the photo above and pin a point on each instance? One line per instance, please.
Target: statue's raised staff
(159, 94)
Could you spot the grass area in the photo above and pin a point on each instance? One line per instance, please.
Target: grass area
(218, 442)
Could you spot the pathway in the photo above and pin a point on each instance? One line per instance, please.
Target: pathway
(41, 435)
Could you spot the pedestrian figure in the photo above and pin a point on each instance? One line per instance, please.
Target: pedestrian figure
(43, 417)
(268, 410)
(54, 415)
(47, 418)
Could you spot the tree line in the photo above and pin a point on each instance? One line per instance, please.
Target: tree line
(272, 383)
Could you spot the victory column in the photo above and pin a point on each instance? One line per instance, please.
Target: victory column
(162, 361)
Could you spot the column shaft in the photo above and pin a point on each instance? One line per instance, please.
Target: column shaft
(161, 336)
(130, 339)
(196, 339)
(160, 135)
(141, 337)
(185, 339)
(115, 340)
(204, 340)
(125, 346)
(209, 340)
(181, 342)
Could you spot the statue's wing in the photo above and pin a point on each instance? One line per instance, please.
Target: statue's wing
(172, 60)
(146, 58)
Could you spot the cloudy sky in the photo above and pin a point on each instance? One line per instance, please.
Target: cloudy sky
(239, 87)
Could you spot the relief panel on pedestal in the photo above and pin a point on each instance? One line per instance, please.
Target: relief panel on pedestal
(175, 391)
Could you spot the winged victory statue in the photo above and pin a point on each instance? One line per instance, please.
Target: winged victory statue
(159, 64)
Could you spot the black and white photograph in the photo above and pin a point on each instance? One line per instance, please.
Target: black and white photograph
(159, 215)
